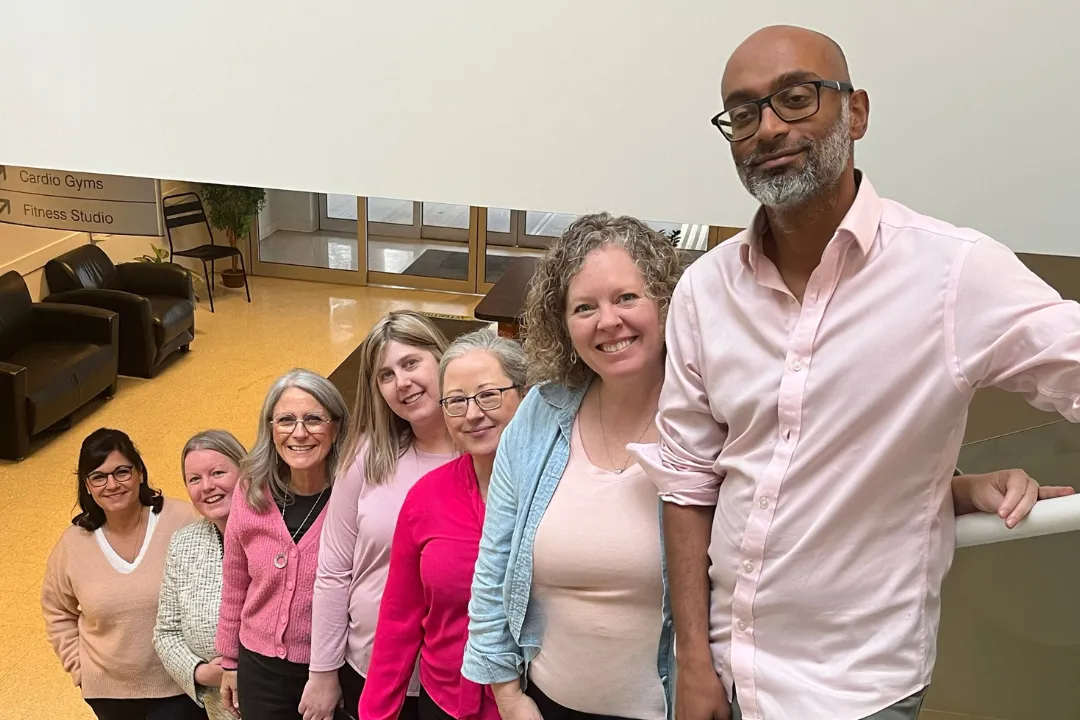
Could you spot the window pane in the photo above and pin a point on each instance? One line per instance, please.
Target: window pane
(341, 207)
(498, 220)
(688, 237)
(444, 215)
(547, 224)
(386, 210)
(665, 227)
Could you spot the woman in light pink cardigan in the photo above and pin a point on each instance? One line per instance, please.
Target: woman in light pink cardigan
(398, 435)
(272, 547)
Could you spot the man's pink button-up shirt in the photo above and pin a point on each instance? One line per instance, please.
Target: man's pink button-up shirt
(826, 434)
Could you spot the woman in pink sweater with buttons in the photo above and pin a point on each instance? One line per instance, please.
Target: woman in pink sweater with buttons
(424, 609)
(398, 435)
(272, 547)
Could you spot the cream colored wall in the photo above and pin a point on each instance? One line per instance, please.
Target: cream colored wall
(289, 210)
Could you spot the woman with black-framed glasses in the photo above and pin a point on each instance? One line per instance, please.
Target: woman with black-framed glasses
(425, 607)
(100, 592)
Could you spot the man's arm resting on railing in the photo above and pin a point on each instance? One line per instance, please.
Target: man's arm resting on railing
(1009, 494)
(1048, 517)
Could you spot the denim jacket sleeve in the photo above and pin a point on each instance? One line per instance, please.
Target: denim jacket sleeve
(491, 654)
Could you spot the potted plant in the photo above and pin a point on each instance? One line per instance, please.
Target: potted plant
(232, 208)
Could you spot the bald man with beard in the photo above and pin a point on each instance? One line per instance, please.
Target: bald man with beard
(819, 372)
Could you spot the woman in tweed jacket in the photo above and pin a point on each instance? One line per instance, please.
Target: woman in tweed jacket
(191, 589)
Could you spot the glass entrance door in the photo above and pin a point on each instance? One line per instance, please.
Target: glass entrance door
(431, 246)
(308, 236)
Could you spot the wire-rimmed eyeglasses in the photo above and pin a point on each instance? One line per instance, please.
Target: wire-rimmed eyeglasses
(315, 423)
(488, 399)
(793, 103)
(120, 474)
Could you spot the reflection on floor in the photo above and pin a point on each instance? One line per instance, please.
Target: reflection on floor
(333, 251)
(338, 251)
(237, 353)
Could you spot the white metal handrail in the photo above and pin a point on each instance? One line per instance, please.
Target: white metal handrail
(1047, 517)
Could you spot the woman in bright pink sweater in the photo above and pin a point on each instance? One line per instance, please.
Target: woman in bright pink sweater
(272, 547)
(424, 609)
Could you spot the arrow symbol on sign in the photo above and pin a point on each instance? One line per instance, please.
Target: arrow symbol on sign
(5, 206)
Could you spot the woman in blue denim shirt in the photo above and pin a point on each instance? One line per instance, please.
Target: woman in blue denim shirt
(569, 615)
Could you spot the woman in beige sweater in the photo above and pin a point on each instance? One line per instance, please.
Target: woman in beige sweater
(100, 592)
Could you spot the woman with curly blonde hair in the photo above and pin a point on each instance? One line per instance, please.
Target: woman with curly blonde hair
(569, 591)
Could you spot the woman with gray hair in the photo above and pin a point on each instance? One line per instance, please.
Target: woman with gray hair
(424, 611)
(272, 547)
(191, 588)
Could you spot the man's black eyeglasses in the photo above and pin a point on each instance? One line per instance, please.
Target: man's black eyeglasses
(796, 102)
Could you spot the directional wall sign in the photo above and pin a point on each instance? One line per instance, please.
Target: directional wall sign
(82, 202)
(93, 216)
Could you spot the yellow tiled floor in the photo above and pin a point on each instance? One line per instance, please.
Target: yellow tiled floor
(237, 353)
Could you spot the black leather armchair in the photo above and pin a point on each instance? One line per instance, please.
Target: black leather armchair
(156, 303)
(53, 360)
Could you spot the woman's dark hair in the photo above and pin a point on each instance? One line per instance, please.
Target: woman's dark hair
(95, 449)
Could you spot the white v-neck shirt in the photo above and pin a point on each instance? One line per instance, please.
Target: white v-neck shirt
(120, 564)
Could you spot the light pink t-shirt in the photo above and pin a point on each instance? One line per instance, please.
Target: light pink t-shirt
(598, 584)
(354, 559)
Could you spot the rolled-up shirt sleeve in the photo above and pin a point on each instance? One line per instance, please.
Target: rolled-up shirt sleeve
(1010, 329)
(682, 464)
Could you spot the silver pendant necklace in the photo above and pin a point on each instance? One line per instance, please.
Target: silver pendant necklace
(603, 433)
(281, 559)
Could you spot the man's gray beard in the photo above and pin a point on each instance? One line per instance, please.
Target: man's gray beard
(825, 163)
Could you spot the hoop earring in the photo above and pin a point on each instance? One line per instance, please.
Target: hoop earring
(573, 358)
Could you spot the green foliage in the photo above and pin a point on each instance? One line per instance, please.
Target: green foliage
(232, 208)
(160, 256)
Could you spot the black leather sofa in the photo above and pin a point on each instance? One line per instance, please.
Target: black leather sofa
(53, 360)
(156, 303)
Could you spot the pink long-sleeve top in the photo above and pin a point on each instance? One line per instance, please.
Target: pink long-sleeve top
(354, 557)
(267, 585)
(826, 431)
(425, 608)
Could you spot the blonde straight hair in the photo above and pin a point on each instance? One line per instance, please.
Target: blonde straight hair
(222, 442)
(386, 436)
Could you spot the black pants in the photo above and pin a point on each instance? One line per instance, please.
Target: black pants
(428, 710)
(179, 707)
(271, 688)
(551, 710)
(352, 686)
